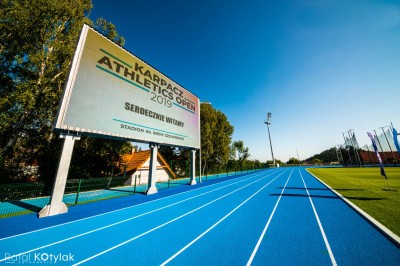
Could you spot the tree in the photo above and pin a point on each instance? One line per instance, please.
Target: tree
(37, 42)
(108, 29)
(293, 161)
(94, 157)
(177, 158)
(257, 164)
(240, 152)
(168, 152)
(216, 133)
(277, 161)
(326, 156)
(317, 161)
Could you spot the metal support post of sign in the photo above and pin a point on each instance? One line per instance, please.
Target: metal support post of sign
(193, 167)
(57, 206)
(152, 189)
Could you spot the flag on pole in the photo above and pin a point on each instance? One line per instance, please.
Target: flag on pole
(354, 140)
(377, 154)
(396, 142)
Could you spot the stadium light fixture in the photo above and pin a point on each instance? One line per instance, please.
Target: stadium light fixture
(268, 122)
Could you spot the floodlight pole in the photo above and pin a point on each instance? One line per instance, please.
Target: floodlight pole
(268, 122)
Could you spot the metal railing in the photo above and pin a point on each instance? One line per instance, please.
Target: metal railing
(22, 198)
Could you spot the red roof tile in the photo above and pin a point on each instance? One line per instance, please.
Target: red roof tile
(135, 161)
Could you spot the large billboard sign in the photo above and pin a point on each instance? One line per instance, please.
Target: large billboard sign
(112, 93)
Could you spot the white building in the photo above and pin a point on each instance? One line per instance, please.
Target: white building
(136, 165)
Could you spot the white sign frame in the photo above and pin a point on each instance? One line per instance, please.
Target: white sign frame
(111, 93)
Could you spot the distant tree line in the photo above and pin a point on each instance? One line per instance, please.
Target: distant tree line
(326, 156)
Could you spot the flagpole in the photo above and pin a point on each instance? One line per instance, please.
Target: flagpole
(357, 147)
(354, 147)
(345, 143)
(394, 158)
(340, 152)
(378, 156)
(395, 134)
(370, 157)
(381, 147)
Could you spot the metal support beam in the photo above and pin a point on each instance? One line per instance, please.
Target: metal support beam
(57, 206)
(193, 167)
(152, 189)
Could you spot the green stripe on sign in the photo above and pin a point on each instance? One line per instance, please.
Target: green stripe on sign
(183, 108)
(124, 79)
(116, 58)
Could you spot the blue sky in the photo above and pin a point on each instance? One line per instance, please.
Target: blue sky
(320, 67)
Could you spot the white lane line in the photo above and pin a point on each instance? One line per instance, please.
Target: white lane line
(126, 220)
(166, 223)
(217, 223)
(320, 225)
(105, 213)
(266, 226)
(392, 236)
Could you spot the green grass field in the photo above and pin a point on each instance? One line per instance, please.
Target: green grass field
(367, 189)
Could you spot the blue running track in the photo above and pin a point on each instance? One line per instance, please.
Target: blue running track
(275, 217)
